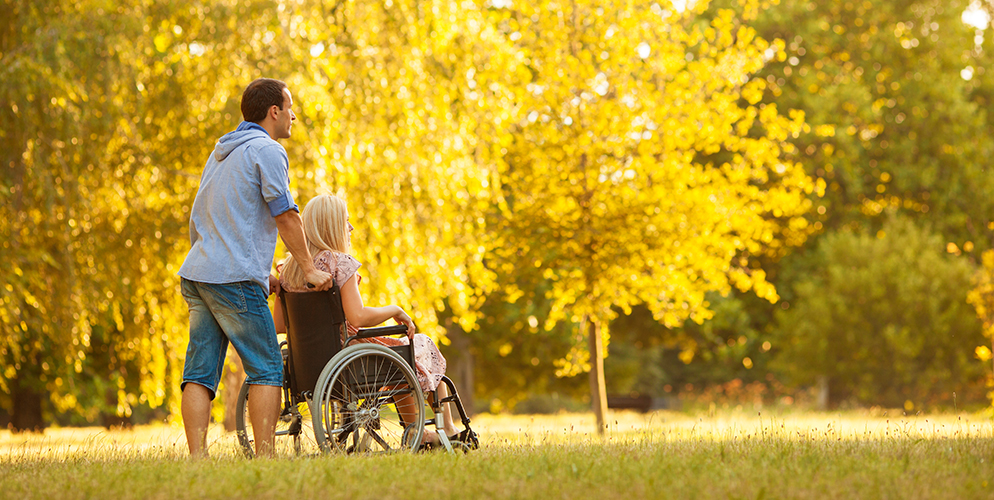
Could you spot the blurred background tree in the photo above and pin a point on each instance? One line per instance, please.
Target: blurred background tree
(895, 95)
(88, 227)
(112, 104)
(890, 90)
(883, 317)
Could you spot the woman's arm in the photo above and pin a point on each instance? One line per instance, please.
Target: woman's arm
(361, 316)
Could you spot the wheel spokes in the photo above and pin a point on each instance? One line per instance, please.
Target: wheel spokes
(376, 437)
(367, 400)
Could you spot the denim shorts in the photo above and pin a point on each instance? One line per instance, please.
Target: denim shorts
(236, 313)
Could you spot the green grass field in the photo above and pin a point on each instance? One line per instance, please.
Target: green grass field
(659, 455)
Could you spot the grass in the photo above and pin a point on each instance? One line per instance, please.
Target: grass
(672, 455)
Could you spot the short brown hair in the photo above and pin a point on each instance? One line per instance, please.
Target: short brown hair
(259, 96)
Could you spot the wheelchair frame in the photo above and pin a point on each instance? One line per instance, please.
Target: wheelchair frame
(348, 394)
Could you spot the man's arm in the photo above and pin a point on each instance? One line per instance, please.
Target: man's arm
(292, 233)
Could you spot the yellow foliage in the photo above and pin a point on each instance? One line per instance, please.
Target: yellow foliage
(983, 353)
(608, 185)
(403, 116)
(982, 295)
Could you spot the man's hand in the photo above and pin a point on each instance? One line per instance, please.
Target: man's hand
(320, 279)
(292, 232)
(274, 284)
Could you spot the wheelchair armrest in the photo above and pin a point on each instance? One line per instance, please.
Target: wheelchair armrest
(383, 331)
(380, 331)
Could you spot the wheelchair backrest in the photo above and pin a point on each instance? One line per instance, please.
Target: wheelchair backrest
(315, 324)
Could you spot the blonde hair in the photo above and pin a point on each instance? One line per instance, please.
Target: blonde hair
(326, 221)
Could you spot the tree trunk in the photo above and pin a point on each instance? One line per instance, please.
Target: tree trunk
(26, 416)
(232, 385)
(598, 390)
(460, 365)
(823, 393)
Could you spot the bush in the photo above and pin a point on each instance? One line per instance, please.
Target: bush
(884, 317)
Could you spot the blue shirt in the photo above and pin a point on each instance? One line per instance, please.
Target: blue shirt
(233, 232)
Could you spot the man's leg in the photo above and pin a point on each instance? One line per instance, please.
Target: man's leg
(201, 369)
(251, 332)
(264, 409)
(196, 409)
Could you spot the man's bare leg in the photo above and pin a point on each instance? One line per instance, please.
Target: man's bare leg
(196, 410)
(264, 409)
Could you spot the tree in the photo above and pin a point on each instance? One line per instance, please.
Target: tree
(641, 168)
(897, 98)
(74, 268)
(896, 94)
(883, 315)
(111, 104)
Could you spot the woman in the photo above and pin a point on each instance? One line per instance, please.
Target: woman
(328, 231)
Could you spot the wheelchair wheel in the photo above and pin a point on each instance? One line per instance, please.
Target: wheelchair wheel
(367, 400)
(294, 432)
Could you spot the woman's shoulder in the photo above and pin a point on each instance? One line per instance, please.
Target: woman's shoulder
(324, 253)
(331, 256)
(341, 265)
(326, 260)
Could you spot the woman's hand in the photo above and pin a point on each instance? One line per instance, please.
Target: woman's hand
(403, 319)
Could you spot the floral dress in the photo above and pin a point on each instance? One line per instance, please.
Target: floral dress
(429, 361)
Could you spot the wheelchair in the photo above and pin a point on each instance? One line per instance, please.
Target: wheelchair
(346, 396)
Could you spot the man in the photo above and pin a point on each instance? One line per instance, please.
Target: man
(243, 202)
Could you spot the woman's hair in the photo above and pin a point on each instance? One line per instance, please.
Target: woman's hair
(326, 228)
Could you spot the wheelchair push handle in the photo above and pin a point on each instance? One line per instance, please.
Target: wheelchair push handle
(311, 286)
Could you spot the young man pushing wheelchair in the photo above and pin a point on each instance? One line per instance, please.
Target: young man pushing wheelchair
(242, 205)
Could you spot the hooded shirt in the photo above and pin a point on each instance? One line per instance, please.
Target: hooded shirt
(233, 232)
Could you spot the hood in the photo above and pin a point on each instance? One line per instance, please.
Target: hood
(246, 132)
